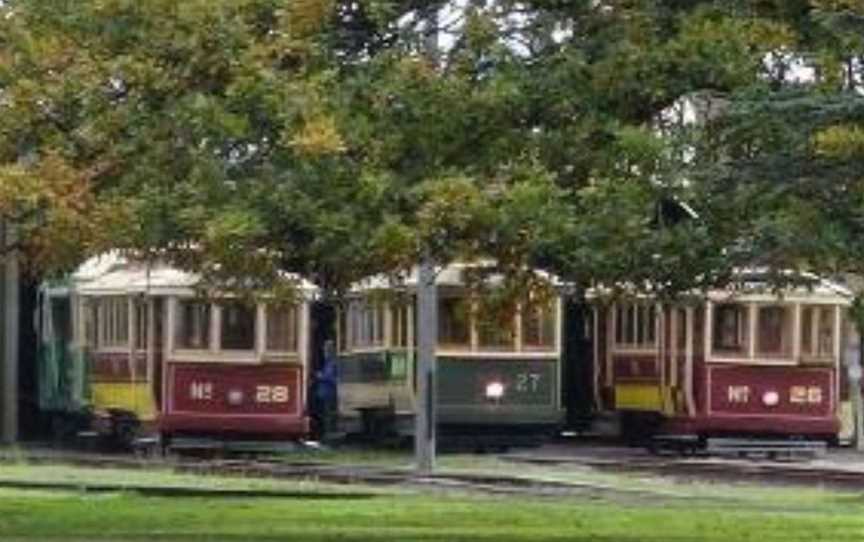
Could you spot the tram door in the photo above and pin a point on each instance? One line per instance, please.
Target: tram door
(156, 342)
(577, 364)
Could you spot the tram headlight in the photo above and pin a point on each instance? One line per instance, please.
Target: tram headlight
(771, 398)
(235, 397)
(494, 391)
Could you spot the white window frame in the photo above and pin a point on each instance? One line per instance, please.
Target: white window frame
(107, 311)
(471, 349)
(752, 357)
(814, 357)
(218, 311)
(643, 347)
(264, 329)
(363, 312)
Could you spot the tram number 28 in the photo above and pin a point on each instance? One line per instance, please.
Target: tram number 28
(271, 394)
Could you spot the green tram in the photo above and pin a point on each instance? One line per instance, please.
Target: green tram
(498, 382)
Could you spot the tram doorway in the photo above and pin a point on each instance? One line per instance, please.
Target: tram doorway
(577, 368)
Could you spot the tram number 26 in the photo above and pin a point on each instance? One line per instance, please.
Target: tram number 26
(271, 394)
(528, 382)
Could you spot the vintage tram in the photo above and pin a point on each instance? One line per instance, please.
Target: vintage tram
(745, 363)
(496, 384)
(150, 356)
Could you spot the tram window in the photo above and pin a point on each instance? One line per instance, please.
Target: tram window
(817, 332)
(141, 322)
(238, 327)
(731, 330)
(635, 326)
(193, 325)
(367, 325)
(807, 318)
(61, 323)
(113, 322)
(282, 326)
(91, 323)
(399, 325)
(343, 329)
(538, 327)
(681, 331)
(496, 334)
(453, 322)
(825, 332)
(774, 331)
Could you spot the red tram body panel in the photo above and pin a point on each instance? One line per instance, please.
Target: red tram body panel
(742, 399)
(234, 398)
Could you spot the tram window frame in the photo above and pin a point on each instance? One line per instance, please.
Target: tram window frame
(205, 326)
(342, 329)
(545, 316)
(291, 321)
(681, 330)
(399, 325)
(367, 322)
(814, 348)
(458, 304)
(640, 331)
(785, 328)
(113, 323)
(89, 323)
(246, 314)
(142, 323)
(740, 348)
(495, 336)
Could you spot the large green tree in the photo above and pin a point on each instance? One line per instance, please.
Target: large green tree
(327, 137)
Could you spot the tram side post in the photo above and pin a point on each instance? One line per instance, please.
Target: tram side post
(427, 337)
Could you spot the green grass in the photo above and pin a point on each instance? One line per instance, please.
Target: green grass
(663, 510)
(121, 517)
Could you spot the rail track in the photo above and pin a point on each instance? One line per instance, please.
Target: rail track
(743, 470)
(801, 474)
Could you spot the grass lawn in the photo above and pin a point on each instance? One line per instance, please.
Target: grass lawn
(710, 512)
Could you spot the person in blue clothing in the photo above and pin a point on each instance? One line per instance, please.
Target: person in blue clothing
(325, 391)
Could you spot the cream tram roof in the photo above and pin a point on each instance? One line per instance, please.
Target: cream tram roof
(115, 274)
(752, 285)
(452, 275)
(803, 286)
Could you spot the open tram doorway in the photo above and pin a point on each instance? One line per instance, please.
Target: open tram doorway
(322, 321)
(577, 365)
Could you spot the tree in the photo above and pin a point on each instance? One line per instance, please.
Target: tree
(246, 138)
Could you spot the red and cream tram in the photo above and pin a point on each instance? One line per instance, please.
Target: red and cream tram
(180, 364)
(734, 363)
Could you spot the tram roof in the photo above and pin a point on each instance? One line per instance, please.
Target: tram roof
(448, 275)
(114, 274)
(755, 284)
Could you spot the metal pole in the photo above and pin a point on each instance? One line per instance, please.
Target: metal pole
(10, 312)
(853, 369)
(427, 316)
(427, 339)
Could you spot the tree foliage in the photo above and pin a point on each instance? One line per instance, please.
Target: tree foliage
(246, 138)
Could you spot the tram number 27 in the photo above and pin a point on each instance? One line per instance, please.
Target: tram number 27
(271, 394)
(528, 382)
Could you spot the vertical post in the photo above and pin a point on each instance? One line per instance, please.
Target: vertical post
(427, 315)
(10, 314)
(427, 338)
(853, 368)
(851, 363)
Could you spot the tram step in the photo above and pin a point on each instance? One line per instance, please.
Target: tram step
(787, 448)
